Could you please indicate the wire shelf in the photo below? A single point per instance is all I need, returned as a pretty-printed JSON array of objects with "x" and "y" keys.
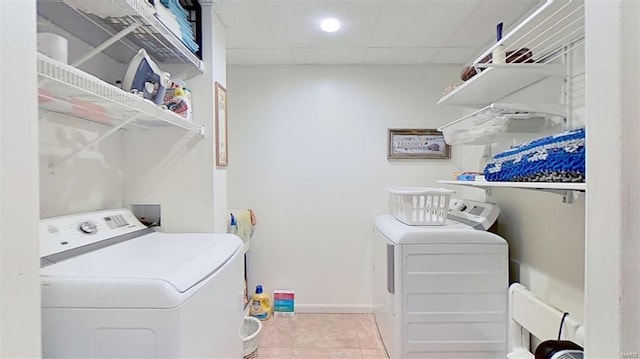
[
  {"x": 566, "y": 190},
  {"x": 501, "y": 121},
  {"x": 499, "y": 81},
  {"x": 527, "y": 185},
  {"x": 545, "y": 35},
  {"x": 66, "y": 90},
  {"x": 115, "y": 16},
  {"x": 551, "y": 27}
]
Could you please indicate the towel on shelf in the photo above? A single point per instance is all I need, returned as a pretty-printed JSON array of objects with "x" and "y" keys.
[
  {"x": 168, "y": 19},
  {"x": 182, "y": 18},
  {"x": 556, "y": 158},
  {"x": 241, "y": 223}
]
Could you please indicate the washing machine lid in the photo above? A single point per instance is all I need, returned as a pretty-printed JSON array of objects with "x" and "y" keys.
[
  {"x": 451, "y": 232},
  {"x": 156, "y": 270}
]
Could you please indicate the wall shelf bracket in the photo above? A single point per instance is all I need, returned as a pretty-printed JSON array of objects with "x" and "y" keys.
[
  {"x": 567, "y": 195},
  {"x": 112, "y": 40},
  {"x": 566, "y": 190},
  {"x": 112, "y": 130}
]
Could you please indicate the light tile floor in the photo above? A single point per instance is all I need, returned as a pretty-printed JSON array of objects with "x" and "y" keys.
[{"x": 321, "y": 336}]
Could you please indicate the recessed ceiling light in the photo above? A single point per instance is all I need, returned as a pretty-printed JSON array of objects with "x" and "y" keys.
[{"x": 330, "y": 25}]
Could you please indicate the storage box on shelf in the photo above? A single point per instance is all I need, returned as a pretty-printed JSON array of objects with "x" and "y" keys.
[{"x": 133, "y": 20}]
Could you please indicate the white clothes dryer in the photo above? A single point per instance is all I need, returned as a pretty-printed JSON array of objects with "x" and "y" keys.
[
  {"x": 113, "y": 288},
  {"x": 441, "y": 291}
]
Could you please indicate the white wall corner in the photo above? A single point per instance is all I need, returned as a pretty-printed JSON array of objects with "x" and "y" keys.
[
  {"x": 613, "y": 198},
  {"x": 315, "y": 169},
  {"x": 19, "y": 253},
  {"x": 219, "y": 71},
  {"x": 179, "y": 171}
]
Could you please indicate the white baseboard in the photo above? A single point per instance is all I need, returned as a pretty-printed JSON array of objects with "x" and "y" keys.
[{"x": 334, "y": 308}]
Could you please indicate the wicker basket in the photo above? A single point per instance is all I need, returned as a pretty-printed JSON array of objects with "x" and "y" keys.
[{"x": 250, "y": 332}]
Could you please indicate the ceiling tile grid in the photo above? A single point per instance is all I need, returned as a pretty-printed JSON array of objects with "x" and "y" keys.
[
  {"x": 400, "y": 56},
  {"x": 273, "y": 56},
  {"x": 373, "y": 31},
  {"x": 312, "y": 56}
]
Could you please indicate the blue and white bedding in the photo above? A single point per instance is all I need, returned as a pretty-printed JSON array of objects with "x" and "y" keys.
[{"x": 557, "y": 158}]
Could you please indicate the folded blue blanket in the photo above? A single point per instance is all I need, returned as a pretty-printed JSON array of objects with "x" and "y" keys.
[
  {"x": 557, "y": 158},
  {"x": 188, "y": 38}
]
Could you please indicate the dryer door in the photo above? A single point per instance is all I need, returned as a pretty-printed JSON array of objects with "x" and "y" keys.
[
  {"x": 384, "y": 278},
  {"x": 386, "y": 288}
]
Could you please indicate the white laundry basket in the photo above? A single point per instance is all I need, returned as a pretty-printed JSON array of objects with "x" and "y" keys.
[
  {"x": 419, "y": 206},
  {"x": 250, "y": 332}
]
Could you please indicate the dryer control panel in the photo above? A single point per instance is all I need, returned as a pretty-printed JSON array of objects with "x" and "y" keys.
[
  {"x": 479, "y": 215},
  {"x": 59, "y": 234}
]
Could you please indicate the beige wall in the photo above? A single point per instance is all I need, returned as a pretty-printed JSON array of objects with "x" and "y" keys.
[{"x": 308, "y": 152}]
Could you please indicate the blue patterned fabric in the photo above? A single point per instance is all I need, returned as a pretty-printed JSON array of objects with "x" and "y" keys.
[
  {"x": 557, "y": 158},
  {"x": 182, "y": 17}
]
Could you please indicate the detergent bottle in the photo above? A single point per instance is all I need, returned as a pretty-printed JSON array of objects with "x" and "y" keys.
[{"x": 261, "y": 304}]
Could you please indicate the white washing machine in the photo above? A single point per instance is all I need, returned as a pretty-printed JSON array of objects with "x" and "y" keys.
[
  {"x": 113, "y": 288},
  {"x": 441, "y": 291}
]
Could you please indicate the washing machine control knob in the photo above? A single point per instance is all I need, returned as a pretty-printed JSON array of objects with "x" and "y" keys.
[
  {"x": 461, "y": 207},
  {"x": 88, "y": 227}
]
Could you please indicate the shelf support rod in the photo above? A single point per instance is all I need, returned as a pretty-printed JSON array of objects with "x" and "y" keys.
[
  {"x": 568, "y": 197},
  {"x": 54, "y": 165},
  {"x": 567, "y": 90},
  {"x": 98, "y": 49},
  {"x": 567, "y": 194}
]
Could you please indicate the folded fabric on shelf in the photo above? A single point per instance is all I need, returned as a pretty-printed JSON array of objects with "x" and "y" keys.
[
  {"x": 556, "y": 158},
  {"x": 181, "y": 16},
  {"x": 168, "y": 19}
]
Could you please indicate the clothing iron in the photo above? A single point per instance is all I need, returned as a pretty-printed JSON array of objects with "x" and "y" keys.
[{"x": 145, "y": 77}]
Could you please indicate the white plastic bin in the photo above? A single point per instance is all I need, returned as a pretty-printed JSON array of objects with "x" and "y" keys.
[
  {"x": 419, "y": 206},
  {"x": 250, "y": 332}
]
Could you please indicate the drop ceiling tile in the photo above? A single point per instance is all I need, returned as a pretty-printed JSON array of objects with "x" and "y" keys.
[
  {"x": 329, "y": 56},
  {"x": 455, "y": 55},
  {"x": 480, "y": 29},
  {"x": 396, "y": 31},
  {"x": 419, "y": 23},
  {"x": 254, "y": 24},
  {"x": 357, "y": 22},
  {"x": 400, "y": 56},
  {"x": 259, "y": 56}
]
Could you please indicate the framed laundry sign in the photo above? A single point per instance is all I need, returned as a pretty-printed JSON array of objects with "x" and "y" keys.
[
  {"x": 417, "y": 143},
  {"x": 222, "y": 154}
]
